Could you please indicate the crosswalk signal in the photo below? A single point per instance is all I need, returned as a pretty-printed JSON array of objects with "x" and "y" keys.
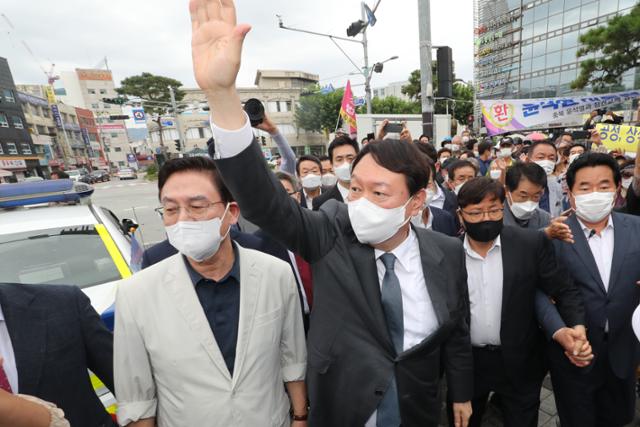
[{"x": 355, "y": 28}]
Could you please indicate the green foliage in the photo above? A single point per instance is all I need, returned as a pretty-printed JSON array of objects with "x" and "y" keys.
[
  {"x": 152, "y": 170},
  {"x": 318, "y": 112},
  {"x": 391, "y": 105},
  {"x": 618, "y": 42},
  {"x": 412, "y": 90},
  {"x": 152, "y": 88}
]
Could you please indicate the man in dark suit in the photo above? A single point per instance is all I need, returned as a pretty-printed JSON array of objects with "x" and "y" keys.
[
  {"x": 342, "y": 151},
  {"x": 603, "y": 263},
  {"x": 51, "y": 336},
  {"x": 382, "y": 331},
  {"x": 505, "y": 268},
  {"x": 309, "y": 170}
]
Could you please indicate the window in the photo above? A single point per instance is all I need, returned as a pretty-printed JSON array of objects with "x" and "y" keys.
[
  {"x": 541, "y": 11},
  {"x": 287, "y": 129},
  {"x": 117, "y": 149},
  {"x": 555, "y": 6},
  {"x": 46, "y": 112},
  {"x": 570, "y": 4},
  {"x": 570, "y": 40},
  {"x": 4, "y": 123},
  {"x": 537, "y": 64},
  {"x": 272, "y": 106},
  {"x": 25, "y": 148},
  {"x": 195, "y": 133},
  {"x": 41, "y": 129},
  {"x": 540, "y": 27},
  {"x": 626, "y": 3},
  {"x": 571, "y": 17},
  {"x": 17, "y": 122},
  {"x": 103, "y": 91},
  {"x": 527, "y": 17},
  {"x": 526, "y": 51},
  {"x": 121, "y": 164},
  {"x": 566, "y": 77},
  {"x": 525, "y": 66},
  {"x": 92, "y": 91},
  {"x": 554, "y": 44},
  {"x": 26, "y": 108},
  {"x": 589, "y": 11},
  {"x": 555, "y": 23},
  {"x": 553, "y": 59},
  {"x": 11, "y": 148},
  {"x": 527, "y": 32},
  {"x": 107, "y": 149},
  {"x": 114, "y": 135},
  {"x": 607, "y": 7},
  {"x": 8, "y": 95},
  {"x": 95, "y": 106}
]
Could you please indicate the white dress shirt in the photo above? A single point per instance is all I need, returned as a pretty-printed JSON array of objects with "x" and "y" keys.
[
  {"x": 418, "y": 220},
  {"x": 601, "y": 246},
  {"x": 485, "y": 282},
  {"x": 6, "y": 352},
  {"x": 418, "y": 314},
  {"x": 294, "y": 263},
  {"x": 344, "y": 192},
  {"x": 438, "y": 199}
]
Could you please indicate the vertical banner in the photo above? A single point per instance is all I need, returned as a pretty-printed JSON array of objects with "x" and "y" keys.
[
  {"x": 56, "y": 115},
  {"x": 51, "y": 95},
  {"x": 348, "y": 110}
]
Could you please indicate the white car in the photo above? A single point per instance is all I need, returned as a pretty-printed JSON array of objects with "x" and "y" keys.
[
  {"x": 80, "y": 245},
  {"x": 127, "y": 173},
  {"x": 74, "y": 175}
]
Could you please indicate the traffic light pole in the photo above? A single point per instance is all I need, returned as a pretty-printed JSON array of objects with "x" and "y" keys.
[
  {"x": 174, "y": 106},
  {"x": 426, "y": 81},
  {"x": 367, "y": 73}
]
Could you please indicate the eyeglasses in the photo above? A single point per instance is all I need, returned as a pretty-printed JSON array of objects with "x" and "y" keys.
[
  {"x": 196, "y": 211},
  {"x": 493, "y": 214}
]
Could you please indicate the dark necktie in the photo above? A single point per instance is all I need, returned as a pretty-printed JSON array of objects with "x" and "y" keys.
[
  {"x": 4, "y": 381},
  {"x": 391, "y": 297}
]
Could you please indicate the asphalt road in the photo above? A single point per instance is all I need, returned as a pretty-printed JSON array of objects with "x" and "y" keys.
[{"x": 134, "y": 199}]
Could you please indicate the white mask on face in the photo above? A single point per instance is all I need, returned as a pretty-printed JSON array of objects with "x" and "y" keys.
[
  {"x": 465, "y": 139},
  {"x": 198, "y": 240},
  {"x": 626, "y": 183},
  {"x": 455, "y": 147},
  {"x": 476, "y": 154},
  {"x": 548, "y": 165},
  {"x": 495, "y": 173},
  {"x": 505, "y": 152},
  {"x": 448, "y": 146},
  {"x": 573, "y": 157},
  {"x": 457, "y": 188},
  {"x": 430, "y": 195},
  {"x": 311, "y": 181},
  {"x": 373, "y": 224},
  {"x": 442, "y": 159},
  {"x": 522, "y": 210},
  {"x": 343, "y": 172},
  {"x": 593, "y": 207},
  {"x": 329, "y": 180}
]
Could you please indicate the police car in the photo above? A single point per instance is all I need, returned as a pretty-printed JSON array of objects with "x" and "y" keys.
[{"x": 50, "y": 233}]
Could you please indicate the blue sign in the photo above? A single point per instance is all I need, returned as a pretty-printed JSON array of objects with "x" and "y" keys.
[
  {"x": 131, "y": 158},
  {"x": 167, "y": 123},
  {"x": 56, "y": 115},
  {"x": 359, "y": 102},
  {"x": 138, "y": 116},
  {"x": 87, "y": 142}
]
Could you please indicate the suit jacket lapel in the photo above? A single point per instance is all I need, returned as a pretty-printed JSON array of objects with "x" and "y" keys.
[
  {"x": 431, "y": 257},
  {"x": 250, "y": 277},
  {"x": 582, "y": 249},
  {"x": 28, "y": 331},
  {"x": 178, "y": 283},
  {"x": 509, "y": 262},
  {"x": 337, "y": 194},
  {"x": 364, "y": 264},
  {"x": 621, "y": 236}
]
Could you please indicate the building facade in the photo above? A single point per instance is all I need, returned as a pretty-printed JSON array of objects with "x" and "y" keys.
[
  {"x": 279, "y": 91},
  {"x": 86, "y": 88},
  {"x": 18, "y": 155},
  {"x": 42, "y": 128},
  {"x": 392, "y": 89},
  {"x": 528, "y": 48}
]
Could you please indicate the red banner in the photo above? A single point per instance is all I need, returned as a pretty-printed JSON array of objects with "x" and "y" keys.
[{"x": 348, "y": 109}]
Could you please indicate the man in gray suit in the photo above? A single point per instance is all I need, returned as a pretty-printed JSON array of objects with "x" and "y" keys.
[
  {"x": 390, "y": 301},
  {"x": 603, "y": 263}
]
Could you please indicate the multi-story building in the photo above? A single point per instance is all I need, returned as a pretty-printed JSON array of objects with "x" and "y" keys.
[
  {"x": 392, "y": 89},
  {"x": 18, "y": 155},
  {"x": 280, "y": 93},
  {"x": 42, "y": 128},
  {"x": 527, "y": 48},
  {"x": 91, "y": 138},
  {"x": 86, "y": 88}
]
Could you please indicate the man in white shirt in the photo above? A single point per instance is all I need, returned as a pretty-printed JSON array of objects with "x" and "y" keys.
[
  {"x": 506, "y": 266},
  {"x": 603, "y": 263},
  {"x": 342, "y": 151}
]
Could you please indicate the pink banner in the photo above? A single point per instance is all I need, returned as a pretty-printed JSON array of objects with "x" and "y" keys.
[{"x": 348, "y": 109}]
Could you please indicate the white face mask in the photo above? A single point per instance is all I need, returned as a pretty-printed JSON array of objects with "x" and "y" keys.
[
  {"x": 329, "y": 180},
  {"x": 373, "y": 224},
  {"x": 593, "y": 207},
  {"x": 505, "y": 152},
  {"x": 442, "y": 159},
  {"x": 495, "y": 173},
  {"x": 465, "y": 139},
  {"x": 455, "y": 147},
  {"x": 311, "y": 181},
  {"x": 548, "y": 165},
  {"x": 430, "y": 196},
  {"x": 343, "y": 172},
  {"x": 198, "y": 240},
  {"x": 448, "y": 146},
  {"x": 626, "y": 183},
  {"x": 573, "y": 157},
  {"x": 523, "y": 210},
  {"x": 457, "y": 188},
  {"x": 476, "y": 154}
]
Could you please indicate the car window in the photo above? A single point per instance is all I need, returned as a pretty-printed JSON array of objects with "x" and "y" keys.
[
  {"x": 73, "y": 172},
  {"x": 61, "y": 256}
]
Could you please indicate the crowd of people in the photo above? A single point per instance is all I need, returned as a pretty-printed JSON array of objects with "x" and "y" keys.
[{"x": 366, "y": 288}]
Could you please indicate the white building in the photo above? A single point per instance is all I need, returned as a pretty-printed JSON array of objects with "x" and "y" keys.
[{"x": 392, "y": 89}]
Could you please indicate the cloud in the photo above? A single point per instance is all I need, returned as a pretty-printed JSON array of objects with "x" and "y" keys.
[{"x": 154, "y": 36}]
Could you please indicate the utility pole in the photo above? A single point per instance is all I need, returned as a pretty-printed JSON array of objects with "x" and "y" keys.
[
  {"x": 424, "y": 19},
  {"x": 174, "y": 106},
  {"x": 368, "y": 74}
]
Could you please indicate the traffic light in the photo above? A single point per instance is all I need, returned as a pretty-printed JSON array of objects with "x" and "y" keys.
[
  {"x": 118, "y": 101},
  {"x": 263, "y": 140},
  {"x": 356, "y": 28},
  {"x": 445, "y": 72},
  {"x": 178, "y": 147}
]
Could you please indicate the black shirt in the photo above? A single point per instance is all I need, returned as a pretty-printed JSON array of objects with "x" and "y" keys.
[{"x": 221, "y": 304}]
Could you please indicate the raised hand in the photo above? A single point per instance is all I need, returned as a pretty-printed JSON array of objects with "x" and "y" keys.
[
  {"x": 557, "y": 229},
  {"x": 216, "y": 43}
]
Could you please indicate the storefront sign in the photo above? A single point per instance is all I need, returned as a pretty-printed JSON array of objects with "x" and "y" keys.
[{"x": 13, "y": 164}]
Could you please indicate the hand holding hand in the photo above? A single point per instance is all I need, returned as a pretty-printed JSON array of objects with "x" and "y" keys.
[
  {"x": 559, "y": 230},
  {"x": 576, "y": 346},
  {"x": 461, "y": 414}
]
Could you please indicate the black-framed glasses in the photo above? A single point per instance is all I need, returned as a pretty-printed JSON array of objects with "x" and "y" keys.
[{"x": 493, "y": 214}]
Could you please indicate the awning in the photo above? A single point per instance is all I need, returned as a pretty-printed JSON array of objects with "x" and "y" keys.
[{"x": 4, "y": 173}]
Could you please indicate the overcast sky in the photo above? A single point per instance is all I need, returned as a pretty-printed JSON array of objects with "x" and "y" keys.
[{"x": 154, "y": 36}]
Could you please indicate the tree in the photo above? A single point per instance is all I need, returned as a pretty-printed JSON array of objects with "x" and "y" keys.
[
  {"x": 156, "y": 89},
  {"x": 618, "y": 42},
  {"x": 462, "y": 94},
  {"x": 319, "y": 112},
  {"x": 392, "y": 105}
]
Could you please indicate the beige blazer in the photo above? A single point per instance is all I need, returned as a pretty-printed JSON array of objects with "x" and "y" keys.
[{"x": 167, "y": 363}]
